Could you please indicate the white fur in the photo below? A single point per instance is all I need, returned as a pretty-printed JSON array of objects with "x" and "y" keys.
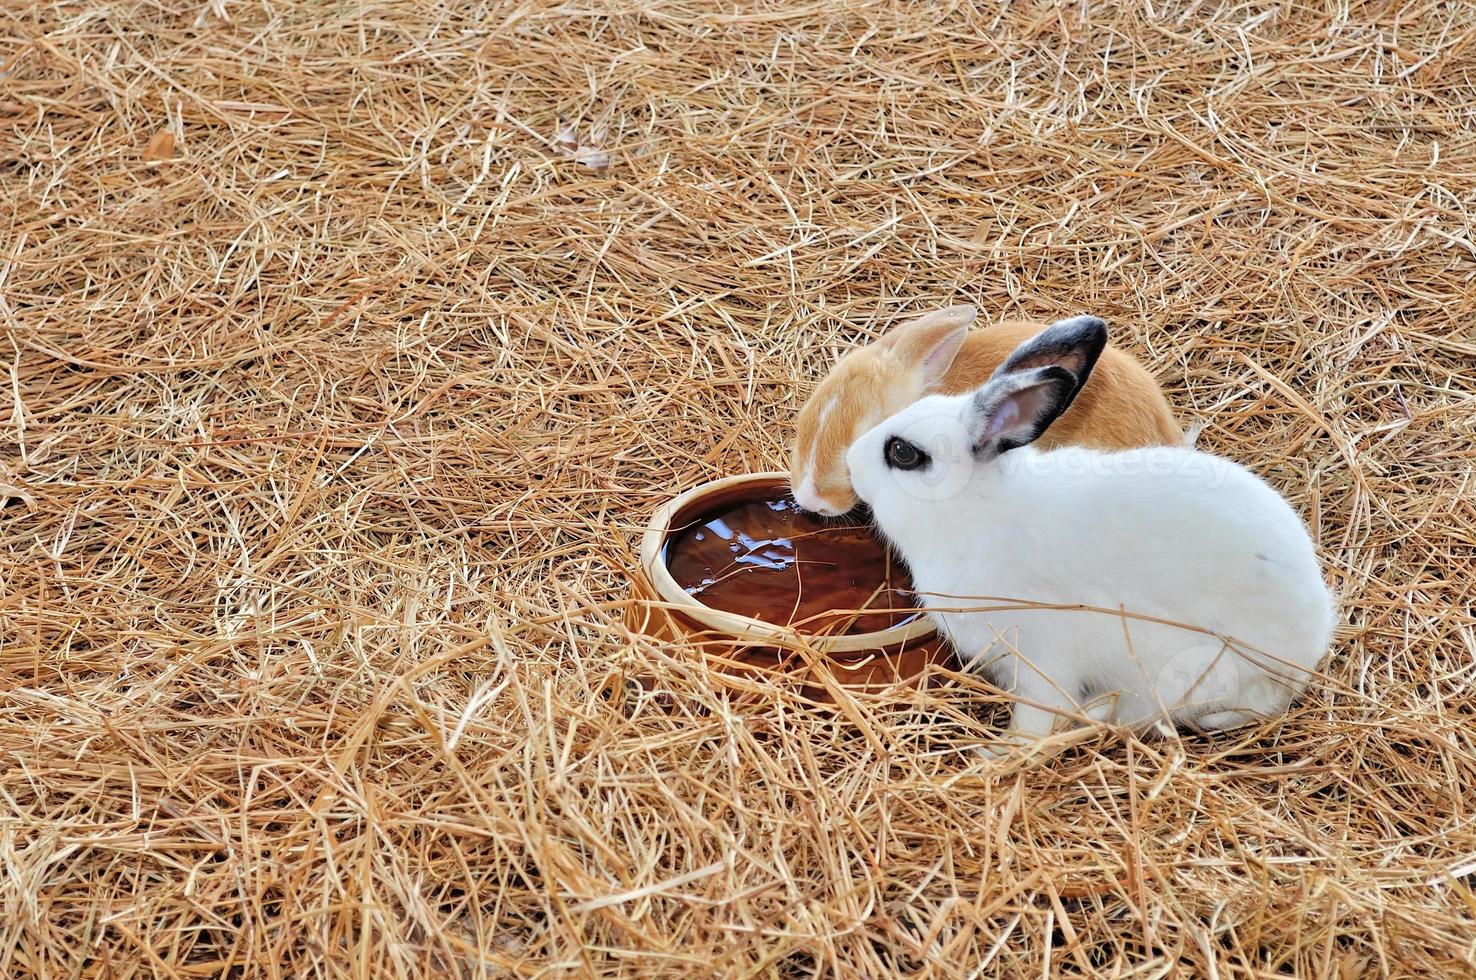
[{"x": 1164, "y": 532}]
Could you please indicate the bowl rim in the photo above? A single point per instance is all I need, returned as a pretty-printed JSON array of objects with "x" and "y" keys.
[{"x": 746, "y": 627}]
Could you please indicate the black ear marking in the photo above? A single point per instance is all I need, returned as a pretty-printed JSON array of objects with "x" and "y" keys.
[
  {"x": 1015, "y": 410},
  {"x": 1073, "y": 344}
]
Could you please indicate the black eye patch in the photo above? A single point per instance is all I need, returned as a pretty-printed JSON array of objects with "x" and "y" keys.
[{"x": 903, "y": 455}]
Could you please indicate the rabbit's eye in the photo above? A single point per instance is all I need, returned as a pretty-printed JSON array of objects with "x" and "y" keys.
[{"x": 903, "y": 455}]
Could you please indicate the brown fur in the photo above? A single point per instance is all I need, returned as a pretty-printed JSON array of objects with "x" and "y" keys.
[{"x": 1120, "y": 406}]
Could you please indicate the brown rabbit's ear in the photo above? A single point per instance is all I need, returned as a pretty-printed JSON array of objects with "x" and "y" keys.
[
  {"x": 931, "y": 342},
  {"x": 1073, "y": 344},
  {"x": 1015, "y": 409}
]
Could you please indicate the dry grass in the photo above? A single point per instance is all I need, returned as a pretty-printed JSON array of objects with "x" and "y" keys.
[{"x": 327, "y": 426}]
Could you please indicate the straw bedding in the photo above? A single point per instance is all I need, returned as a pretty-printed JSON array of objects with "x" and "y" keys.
[{"x": 348, "y": 346}]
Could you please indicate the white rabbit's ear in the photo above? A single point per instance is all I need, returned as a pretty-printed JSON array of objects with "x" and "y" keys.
[
  {"x": 931, "y": 342},
  {"x": 1073, "y": 344},
  {"x": 1013, "y": 410}
]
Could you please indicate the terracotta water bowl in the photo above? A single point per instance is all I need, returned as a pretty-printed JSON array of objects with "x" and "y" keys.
[{"x": 749, "y": 651}]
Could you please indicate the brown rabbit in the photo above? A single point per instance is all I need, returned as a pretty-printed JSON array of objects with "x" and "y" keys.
[{"x": 1120, "y": 406}]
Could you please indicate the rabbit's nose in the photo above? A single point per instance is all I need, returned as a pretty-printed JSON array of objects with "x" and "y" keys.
[{"x": 810, "y": 501}]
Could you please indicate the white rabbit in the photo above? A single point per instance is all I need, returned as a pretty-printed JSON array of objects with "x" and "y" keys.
[{"x": 1178, "y": 587}]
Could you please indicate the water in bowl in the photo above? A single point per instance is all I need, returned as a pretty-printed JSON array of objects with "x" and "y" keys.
[{"x": 769, "y": 560}]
